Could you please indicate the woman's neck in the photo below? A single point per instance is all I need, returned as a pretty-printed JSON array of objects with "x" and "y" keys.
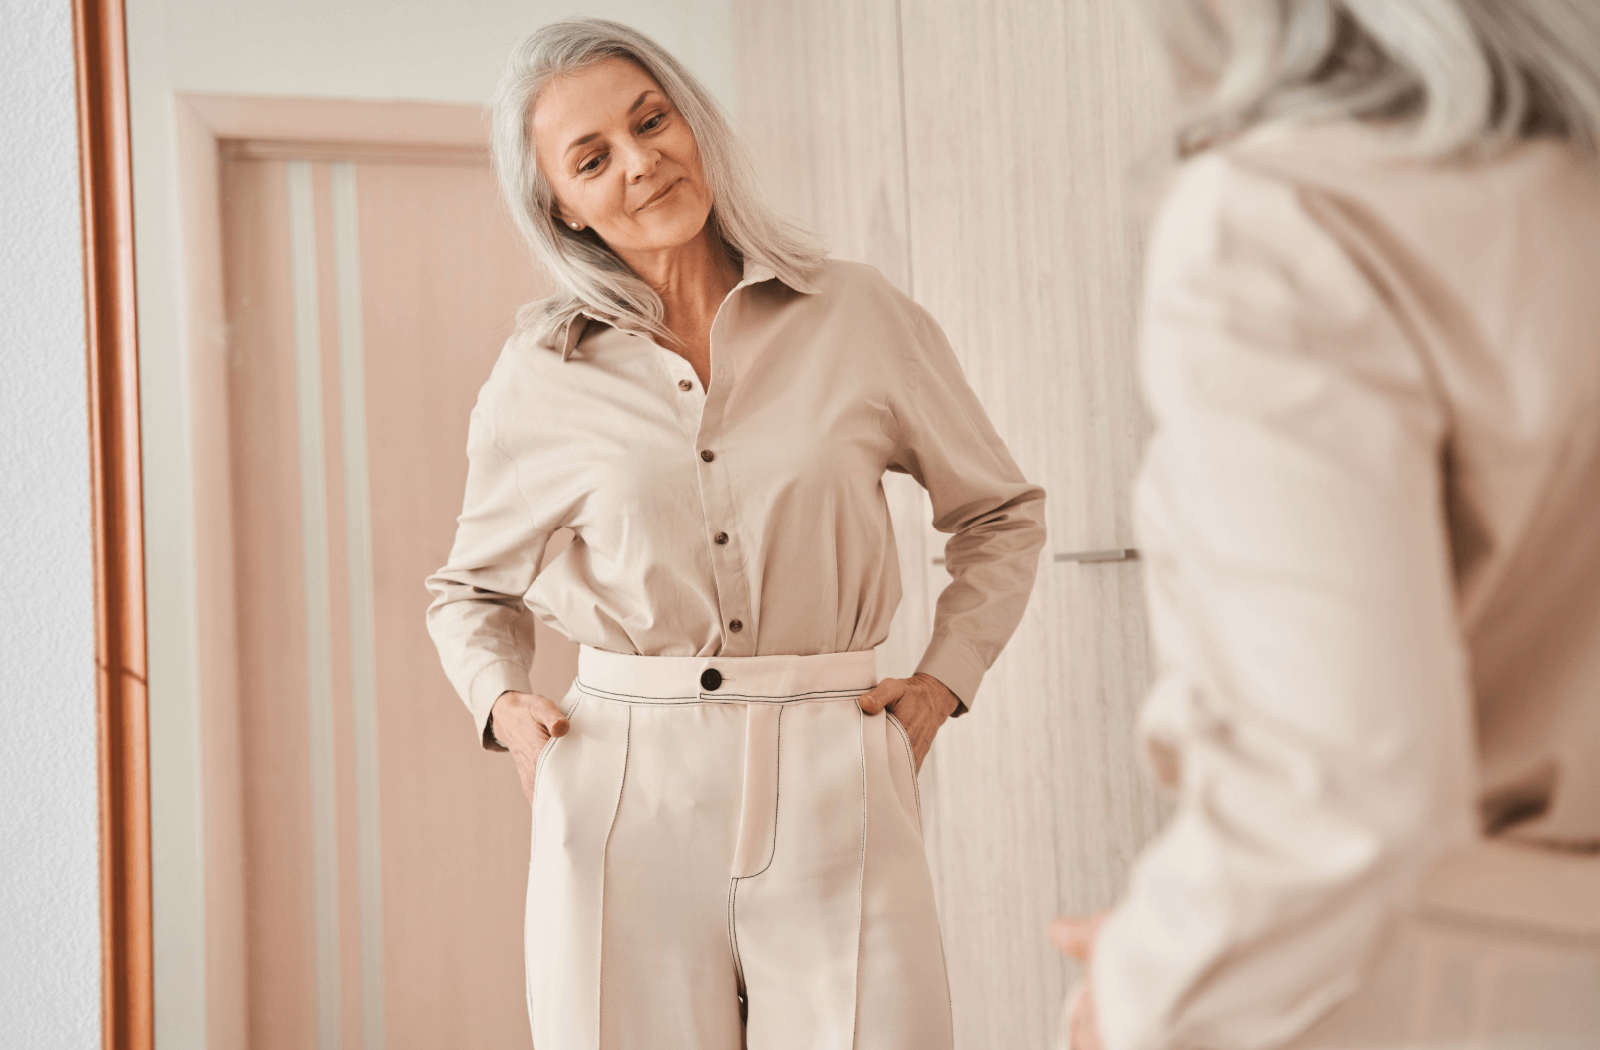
[{"x": 692, "y": 281}]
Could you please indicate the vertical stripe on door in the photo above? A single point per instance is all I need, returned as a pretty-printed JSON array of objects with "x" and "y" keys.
[
  {"x": 319, "y": 612},
  {"x": 363, "y": 626}
]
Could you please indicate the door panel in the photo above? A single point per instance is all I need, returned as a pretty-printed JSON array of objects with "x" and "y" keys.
[{"x": 385, "y": 850}]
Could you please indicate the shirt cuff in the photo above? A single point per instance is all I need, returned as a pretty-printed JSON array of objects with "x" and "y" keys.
[
  {"x": 958, "y": 669},
  {"x": 487, "y": 685}
]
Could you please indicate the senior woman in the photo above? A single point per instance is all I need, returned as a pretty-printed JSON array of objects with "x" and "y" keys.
[
  {"x": 1371, "y": 508},
  {"x": 727, "y": 847}
]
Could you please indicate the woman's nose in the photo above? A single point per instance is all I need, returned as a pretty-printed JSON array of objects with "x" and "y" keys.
[{"x": 641, "y": 163}]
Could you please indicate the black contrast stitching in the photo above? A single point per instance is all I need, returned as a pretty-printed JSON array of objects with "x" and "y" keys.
[
  {"x": 538, "y": 776},
  {"x": 911, "y": 757},
  {"x": 605, "y": 694},
  {"x": 777, "y": 797},
  {"x": 861, "y": 873},
  {"x": 821, "y": 694},
  {"x": 599, "y": 1009},
  {"x": 733, "y": 936},
  {"x": 722, "y": 698}
]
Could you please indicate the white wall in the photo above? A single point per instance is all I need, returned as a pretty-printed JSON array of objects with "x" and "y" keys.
[
  {"x": 422, "y": 50},
  {"x": 49, "y": 883}
]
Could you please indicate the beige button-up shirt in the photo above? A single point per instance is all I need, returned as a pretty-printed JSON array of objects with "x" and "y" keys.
[
  {"x": 1371, "y": 517},
  {"x": 744, "y": 520}
]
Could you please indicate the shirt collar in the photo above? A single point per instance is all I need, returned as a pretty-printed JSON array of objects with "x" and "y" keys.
[{"x": 567, "y": 338}]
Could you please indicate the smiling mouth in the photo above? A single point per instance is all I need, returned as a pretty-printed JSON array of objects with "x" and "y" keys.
[{"x": 662, "y": 192}]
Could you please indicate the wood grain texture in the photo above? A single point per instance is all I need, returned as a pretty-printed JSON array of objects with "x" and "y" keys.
[
  {"x": 1025, "y": 122},
  {"x": 127, "y": 977},
  {"x": 819, "y": 98}
]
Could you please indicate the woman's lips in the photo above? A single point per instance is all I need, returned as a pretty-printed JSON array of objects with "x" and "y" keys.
[{"x": 661, "y": 193}]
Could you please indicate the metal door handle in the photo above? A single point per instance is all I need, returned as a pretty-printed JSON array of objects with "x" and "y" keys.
[
  {"x": 1089, "y": 557},
  {"x": 1114, "y": 554}
]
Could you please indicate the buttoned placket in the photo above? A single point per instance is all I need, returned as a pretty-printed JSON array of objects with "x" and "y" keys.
[{"x": 717, "y": 497}]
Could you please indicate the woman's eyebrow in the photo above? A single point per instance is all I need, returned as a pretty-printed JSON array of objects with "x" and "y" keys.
[
  {"x": 584, "y": 140},
  {"x": 575, "y": 143}
]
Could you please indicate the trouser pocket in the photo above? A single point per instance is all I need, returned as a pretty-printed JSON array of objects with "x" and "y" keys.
[{"x": 905, "y": 778}]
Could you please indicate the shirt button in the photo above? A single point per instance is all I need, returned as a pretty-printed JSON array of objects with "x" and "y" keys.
[
  {"x": 720, "y": 538},
  {"x": 685, "y": 385},
  {"x": 736, "y": 625},
  {"x": 707, "y": 455}
]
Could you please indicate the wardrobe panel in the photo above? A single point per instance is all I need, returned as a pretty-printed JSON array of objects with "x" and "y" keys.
[
  {"x": 819, "y": 107},
  {"x": 1026, "y": 125}
]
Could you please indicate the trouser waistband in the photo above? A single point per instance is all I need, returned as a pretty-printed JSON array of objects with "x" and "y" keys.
[{"x": 725, "y": 679}]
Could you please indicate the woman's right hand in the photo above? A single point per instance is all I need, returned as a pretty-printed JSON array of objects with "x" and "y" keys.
[{"x": 523, "y": 724}]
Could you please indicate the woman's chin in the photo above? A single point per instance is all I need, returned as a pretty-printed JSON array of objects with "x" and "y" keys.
[{"x": 670, "y": 230}]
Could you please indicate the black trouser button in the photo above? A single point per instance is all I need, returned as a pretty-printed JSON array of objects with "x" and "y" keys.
[{"x": 711, "y": 679}]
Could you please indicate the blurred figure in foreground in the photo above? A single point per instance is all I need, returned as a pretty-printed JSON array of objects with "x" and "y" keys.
[{"x": 1371, "y": 510}]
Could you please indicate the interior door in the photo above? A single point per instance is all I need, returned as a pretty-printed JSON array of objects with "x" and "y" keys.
[{"x": 368, "y": 293}]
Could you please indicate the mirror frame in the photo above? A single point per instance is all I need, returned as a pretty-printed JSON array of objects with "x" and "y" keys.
[{"x": 127, "y": 989}]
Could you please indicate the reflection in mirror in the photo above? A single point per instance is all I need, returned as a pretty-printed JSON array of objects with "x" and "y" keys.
[{"x": 326, "y": 276}]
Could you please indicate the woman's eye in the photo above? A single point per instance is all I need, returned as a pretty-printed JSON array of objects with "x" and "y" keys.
[
  {"x": 592, "y": 165},
  {"x": 653, "y": 123}
]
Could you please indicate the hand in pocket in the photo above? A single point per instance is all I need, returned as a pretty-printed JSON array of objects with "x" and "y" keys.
[
  {"x": 523, "y": 724},
  {"x": 921, "y": 703}
]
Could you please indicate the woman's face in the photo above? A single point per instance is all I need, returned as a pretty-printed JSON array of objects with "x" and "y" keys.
[{"x": 620, "y": 158}]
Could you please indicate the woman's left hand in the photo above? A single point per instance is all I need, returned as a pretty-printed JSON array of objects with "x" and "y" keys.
[{"x": 920, "y": 702}]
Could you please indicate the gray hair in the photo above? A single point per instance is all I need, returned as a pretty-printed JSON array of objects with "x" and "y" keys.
[
  {"x": 593, "y": 279},
  {"x": 1457, "y": 77}
]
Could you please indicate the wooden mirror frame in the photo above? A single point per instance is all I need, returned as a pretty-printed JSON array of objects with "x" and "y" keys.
[{"x": 127, "y": 988}]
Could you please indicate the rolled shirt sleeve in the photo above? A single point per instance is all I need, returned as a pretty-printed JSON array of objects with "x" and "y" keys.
[
  {"x": 979, "y": 496},
  {"x": 1312, "y": 706},
  {"x": 478, "y": 619}
]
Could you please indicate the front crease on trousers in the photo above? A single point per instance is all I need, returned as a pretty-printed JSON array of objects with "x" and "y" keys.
[{"x": 689, "y": 855}]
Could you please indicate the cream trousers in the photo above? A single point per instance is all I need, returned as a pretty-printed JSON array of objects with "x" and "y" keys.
[{"x": 728, "y": 853}]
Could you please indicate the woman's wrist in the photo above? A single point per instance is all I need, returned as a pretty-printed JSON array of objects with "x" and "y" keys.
[{"x": 952, "y": 701}]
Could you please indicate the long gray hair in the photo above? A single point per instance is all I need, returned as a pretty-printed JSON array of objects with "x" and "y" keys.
[
  {"x": 1457, "y": 77},
  {"x": 593, "y": 279}
]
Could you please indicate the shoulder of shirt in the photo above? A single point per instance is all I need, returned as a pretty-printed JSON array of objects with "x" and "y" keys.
[
  {"x": 522, "y": 358},
  {"x": 861, "y": 286},
  {"x": 1367, "y": 166},
  {"x": 1256, "y": 190}
]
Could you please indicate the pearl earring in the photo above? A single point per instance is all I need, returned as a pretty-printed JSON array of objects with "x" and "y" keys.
[{"x": 575, "y": 226}]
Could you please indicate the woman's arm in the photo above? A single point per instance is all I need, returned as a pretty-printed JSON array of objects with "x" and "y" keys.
[
  {"x": 477, "y": 618},
  {"x": 1313, "y": 705},
  {"x": 995, "y": 516}
]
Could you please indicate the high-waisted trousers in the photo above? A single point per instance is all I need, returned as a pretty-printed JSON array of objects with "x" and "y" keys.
[{"x": 727, "y": 853}]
